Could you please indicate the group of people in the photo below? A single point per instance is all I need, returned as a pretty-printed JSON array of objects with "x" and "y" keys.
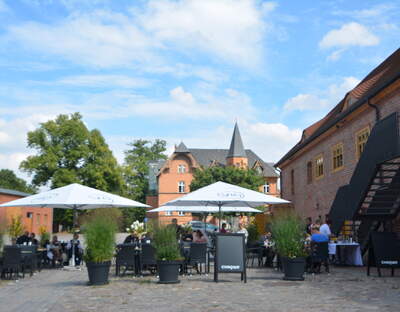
[
  {"x": 62, "y": 253},
  {"x": 319, "y": 231},
  {"x": 27, "y": 239}
]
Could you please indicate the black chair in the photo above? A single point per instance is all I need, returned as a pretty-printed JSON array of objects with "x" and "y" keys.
[
  {"x": 254, "y": 252},
  {"x": 148, "y": 259},
  {"x": 197, "y": 257},
  {"x": 125, "y": 257},
  {"x": 29, "y": 257},
  {"x": 319, "y": 255},
  {"x": 12, "y": 262}
]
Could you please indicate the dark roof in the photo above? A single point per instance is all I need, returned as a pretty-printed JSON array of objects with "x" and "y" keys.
[
  {"x": 381, "y": 77},
  {"x": 236, "y": 149},
  {"x": 206, "y": 157},
  {"x": 181, "y": 148},
  {"x": 13, "y": 192}
]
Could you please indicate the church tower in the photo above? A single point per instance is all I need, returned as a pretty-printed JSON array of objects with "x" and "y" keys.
[{"x": 237, "y": 155}]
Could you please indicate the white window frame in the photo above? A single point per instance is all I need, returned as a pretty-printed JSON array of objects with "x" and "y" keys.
[
  {"x": 266, "y": 187},
  {"x": 181, "y": 169},
  {"x": 168, "y": 213},
  {"x": 181, "y": 213},
  {"x": 181, "y": 187}
]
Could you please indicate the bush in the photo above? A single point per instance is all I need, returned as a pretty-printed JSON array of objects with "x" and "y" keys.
[
  {"x": 44, "y": 236},
  {"x": 100, "y": 239},
  {"x": 253, "y": 232},
  {"x": 165, "y": 243},
  {"x": 288, "y": 235},
  {"x": 16, "y": 227}
]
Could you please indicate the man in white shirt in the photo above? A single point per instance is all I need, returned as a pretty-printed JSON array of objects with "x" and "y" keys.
[
  {"x": 243, "y": 230},
  {"x": 324, "y": 228}
]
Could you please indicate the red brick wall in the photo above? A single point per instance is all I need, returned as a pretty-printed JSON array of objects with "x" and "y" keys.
[
  {"x": 312, "y": 200},
  {"x": 40, "y": 216}
]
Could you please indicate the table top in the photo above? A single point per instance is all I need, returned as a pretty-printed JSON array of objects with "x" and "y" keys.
[{"x": 345, "y": 244}]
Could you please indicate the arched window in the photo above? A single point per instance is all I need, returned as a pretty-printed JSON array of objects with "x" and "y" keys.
[{"x": 181, "y": 187}]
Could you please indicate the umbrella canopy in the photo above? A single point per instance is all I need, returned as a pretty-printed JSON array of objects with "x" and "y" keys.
[
  {"x": 221, "y": 194},
  {"x": 74, "y": 196},
  {"x": 204, "y": 209}
]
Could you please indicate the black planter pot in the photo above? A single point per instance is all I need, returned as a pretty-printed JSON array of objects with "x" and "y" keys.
[
  {"x": 168, "y": 271},
  {"x": 98, "y": 272},
  {"x": 293, "y": 268}
]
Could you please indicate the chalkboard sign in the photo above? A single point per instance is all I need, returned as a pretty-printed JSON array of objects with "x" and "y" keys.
[
  {"x": 384, "y": 251},
  {"x": 230, "y": 255}
]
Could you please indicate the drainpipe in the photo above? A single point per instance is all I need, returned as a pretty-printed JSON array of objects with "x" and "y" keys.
[{"x": 377, "y": 111}]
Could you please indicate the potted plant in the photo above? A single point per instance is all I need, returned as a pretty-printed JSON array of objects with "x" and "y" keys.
[
  {"x": 167, "y": 253},
  {"x": 289, "y": 238},
  {"x": 44, "y": 236},
  {"x": 100, "y": 246},
  {"x": 138, "y": 229}
]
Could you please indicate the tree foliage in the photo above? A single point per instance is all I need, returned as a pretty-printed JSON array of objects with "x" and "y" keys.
[
  {"x": 136, "y": 171},
  {"x": 68, "y": 152},
  {"x": 9, "y": 180},
  {"x": 247, "y": 178}
]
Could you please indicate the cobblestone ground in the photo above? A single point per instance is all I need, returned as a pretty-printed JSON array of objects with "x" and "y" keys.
[{"x": 344, "y": 289}]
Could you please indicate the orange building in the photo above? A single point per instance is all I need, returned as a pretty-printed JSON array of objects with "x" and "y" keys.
[
  {"x": 32, "y": 217},
  {"x": 171, "y": 179}
]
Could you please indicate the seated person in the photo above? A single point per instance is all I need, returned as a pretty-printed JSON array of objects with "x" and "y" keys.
[
  {"x": 316, "y": 236},
  {"x": 78, "y": 249},
  {"x": 199, "y": 237},
  {"x": 23, "y": 239},
  {"x": 131, "y": 239},
  {"x": 223, "y": 228},
  {"x": 54, "y": 250},
  {"x": 33, "y": 240}
]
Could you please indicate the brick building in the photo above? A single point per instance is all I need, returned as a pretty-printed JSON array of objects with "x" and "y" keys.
[
  {"x": 32, "y": 217},
  {"x": 171, "y": 179},
  {"x": 328, "y": 154}
]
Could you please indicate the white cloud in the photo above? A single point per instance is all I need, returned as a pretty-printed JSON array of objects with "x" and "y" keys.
[
  {"x": 101, "y": 81},
  {"x": 321, "y": 99},
  {"x": 229, "y": 30},
  {"x": 351, "y": 34}
]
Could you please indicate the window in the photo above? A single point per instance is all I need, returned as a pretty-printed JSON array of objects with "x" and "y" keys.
[
  {"x": 319, "y": 167},
  {"x": 361, "y": 140},
  {"x": 181, "y": 213},
  {"x": 29, "y": 215},
  {"x": 292, "y": 181},
  {"x": 168, "y": 213},
  {"x": 45, "y": 219},
  {"x": 266, "y": 187},
  {"x": 38, "y": 219},
  {"x": 337, "y": 157},
  {"x": 181, "y": 169},
  {"x": 181, "y": 187},
  {"x": 309, "y": 172}
]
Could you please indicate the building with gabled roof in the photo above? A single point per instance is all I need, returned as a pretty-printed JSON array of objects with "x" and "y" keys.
[{"x": 171, "y": 178}]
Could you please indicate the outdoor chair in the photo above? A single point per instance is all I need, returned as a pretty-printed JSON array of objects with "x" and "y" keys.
[
  {"x": 253, "y": 253},
  {"x": 29, "y": 258},
  {"x": 125, "y": 257},
  {"x": 148, "y": 259},
  {"x": 12, "y": 262},
  {"x": 319, "y": 255},
  {"x": 197, "y": 257}
]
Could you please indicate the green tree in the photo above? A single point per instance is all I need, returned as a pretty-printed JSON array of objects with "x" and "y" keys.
[
  {"x": 247, "y": 178},
  {"x": 9, "y": 180},
  {"x": 67, "y": 152},
  {"x": 136, "y": 171}
]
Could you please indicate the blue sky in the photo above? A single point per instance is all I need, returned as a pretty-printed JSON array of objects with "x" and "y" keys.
[{"x": 185, "y": 70}]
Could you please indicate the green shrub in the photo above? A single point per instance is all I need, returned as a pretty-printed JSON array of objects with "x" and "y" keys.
[
  {"x": 44, "y": 236},
  {"x": 100, "y": 239},
  {"x": 288, "y": 235},
  {"x": 253, "y": 232},
  {"x": 16, "y": 228},
  {"x": 165, "y": 243}
]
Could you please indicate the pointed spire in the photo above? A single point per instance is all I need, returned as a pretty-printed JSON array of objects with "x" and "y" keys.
[
  {"x": 236, "y": 149},
  {"x": 181, "y": 148}
]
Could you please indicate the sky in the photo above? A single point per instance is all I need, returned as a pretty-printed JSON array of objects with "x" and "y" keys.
[{"x": 185, "y": 70}]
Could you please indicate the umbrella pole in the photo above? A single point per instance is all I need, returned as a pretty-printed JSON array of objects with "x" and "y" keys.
[
  {"x": 74, "y": 224},
  {"x": 220, "y": 216}
]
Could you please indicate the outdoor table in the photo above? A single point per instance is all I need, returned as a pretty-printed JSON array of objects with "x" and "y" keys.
[{"x": 346, "y": 253}]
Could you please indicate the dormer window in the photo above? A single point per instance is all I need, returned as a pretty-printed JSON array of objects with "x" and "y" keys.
[
  {"x": 181, "y": 169},
  {"x": 259, "y": 169}
]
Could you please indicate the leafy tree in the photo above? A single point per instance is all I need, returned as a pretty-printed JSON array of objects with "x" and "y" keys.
[
  {"x": 67, "y": 152},
  {"x": 9, "y": 180},
  {"x": 136, "y": 171},
  {"x": 247, "y": 178}
]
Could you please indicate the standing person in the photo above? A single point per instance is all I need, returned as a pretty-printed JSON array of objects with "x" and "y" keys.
[
  {"x": 78, "y": 249},
  {"x": 174, "y": 223},
  {"x": 325, "y": 228},
  {"x": 243, "y": 230}
]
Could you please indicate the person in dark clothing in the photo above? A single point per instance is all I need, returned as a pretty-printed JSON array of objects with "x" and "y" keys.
[
  {"x": 33, "y": 240},
  {"x": 308, "y": 225},
  {"x": 131, "y": 239},
  {"x": 223, "y": 228},
  {"x": 178, "y": 228},
  {"x": 23, "y": 238},
  {"x": 78, "y": 249}
]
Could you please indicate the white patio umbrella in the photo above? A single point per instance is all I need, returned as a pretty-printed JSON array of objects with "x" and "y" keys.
[
  {"x": 221, "y": 194},
  {"x": 204, "y": 209},
  {"x": 76, "y": 197}
]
